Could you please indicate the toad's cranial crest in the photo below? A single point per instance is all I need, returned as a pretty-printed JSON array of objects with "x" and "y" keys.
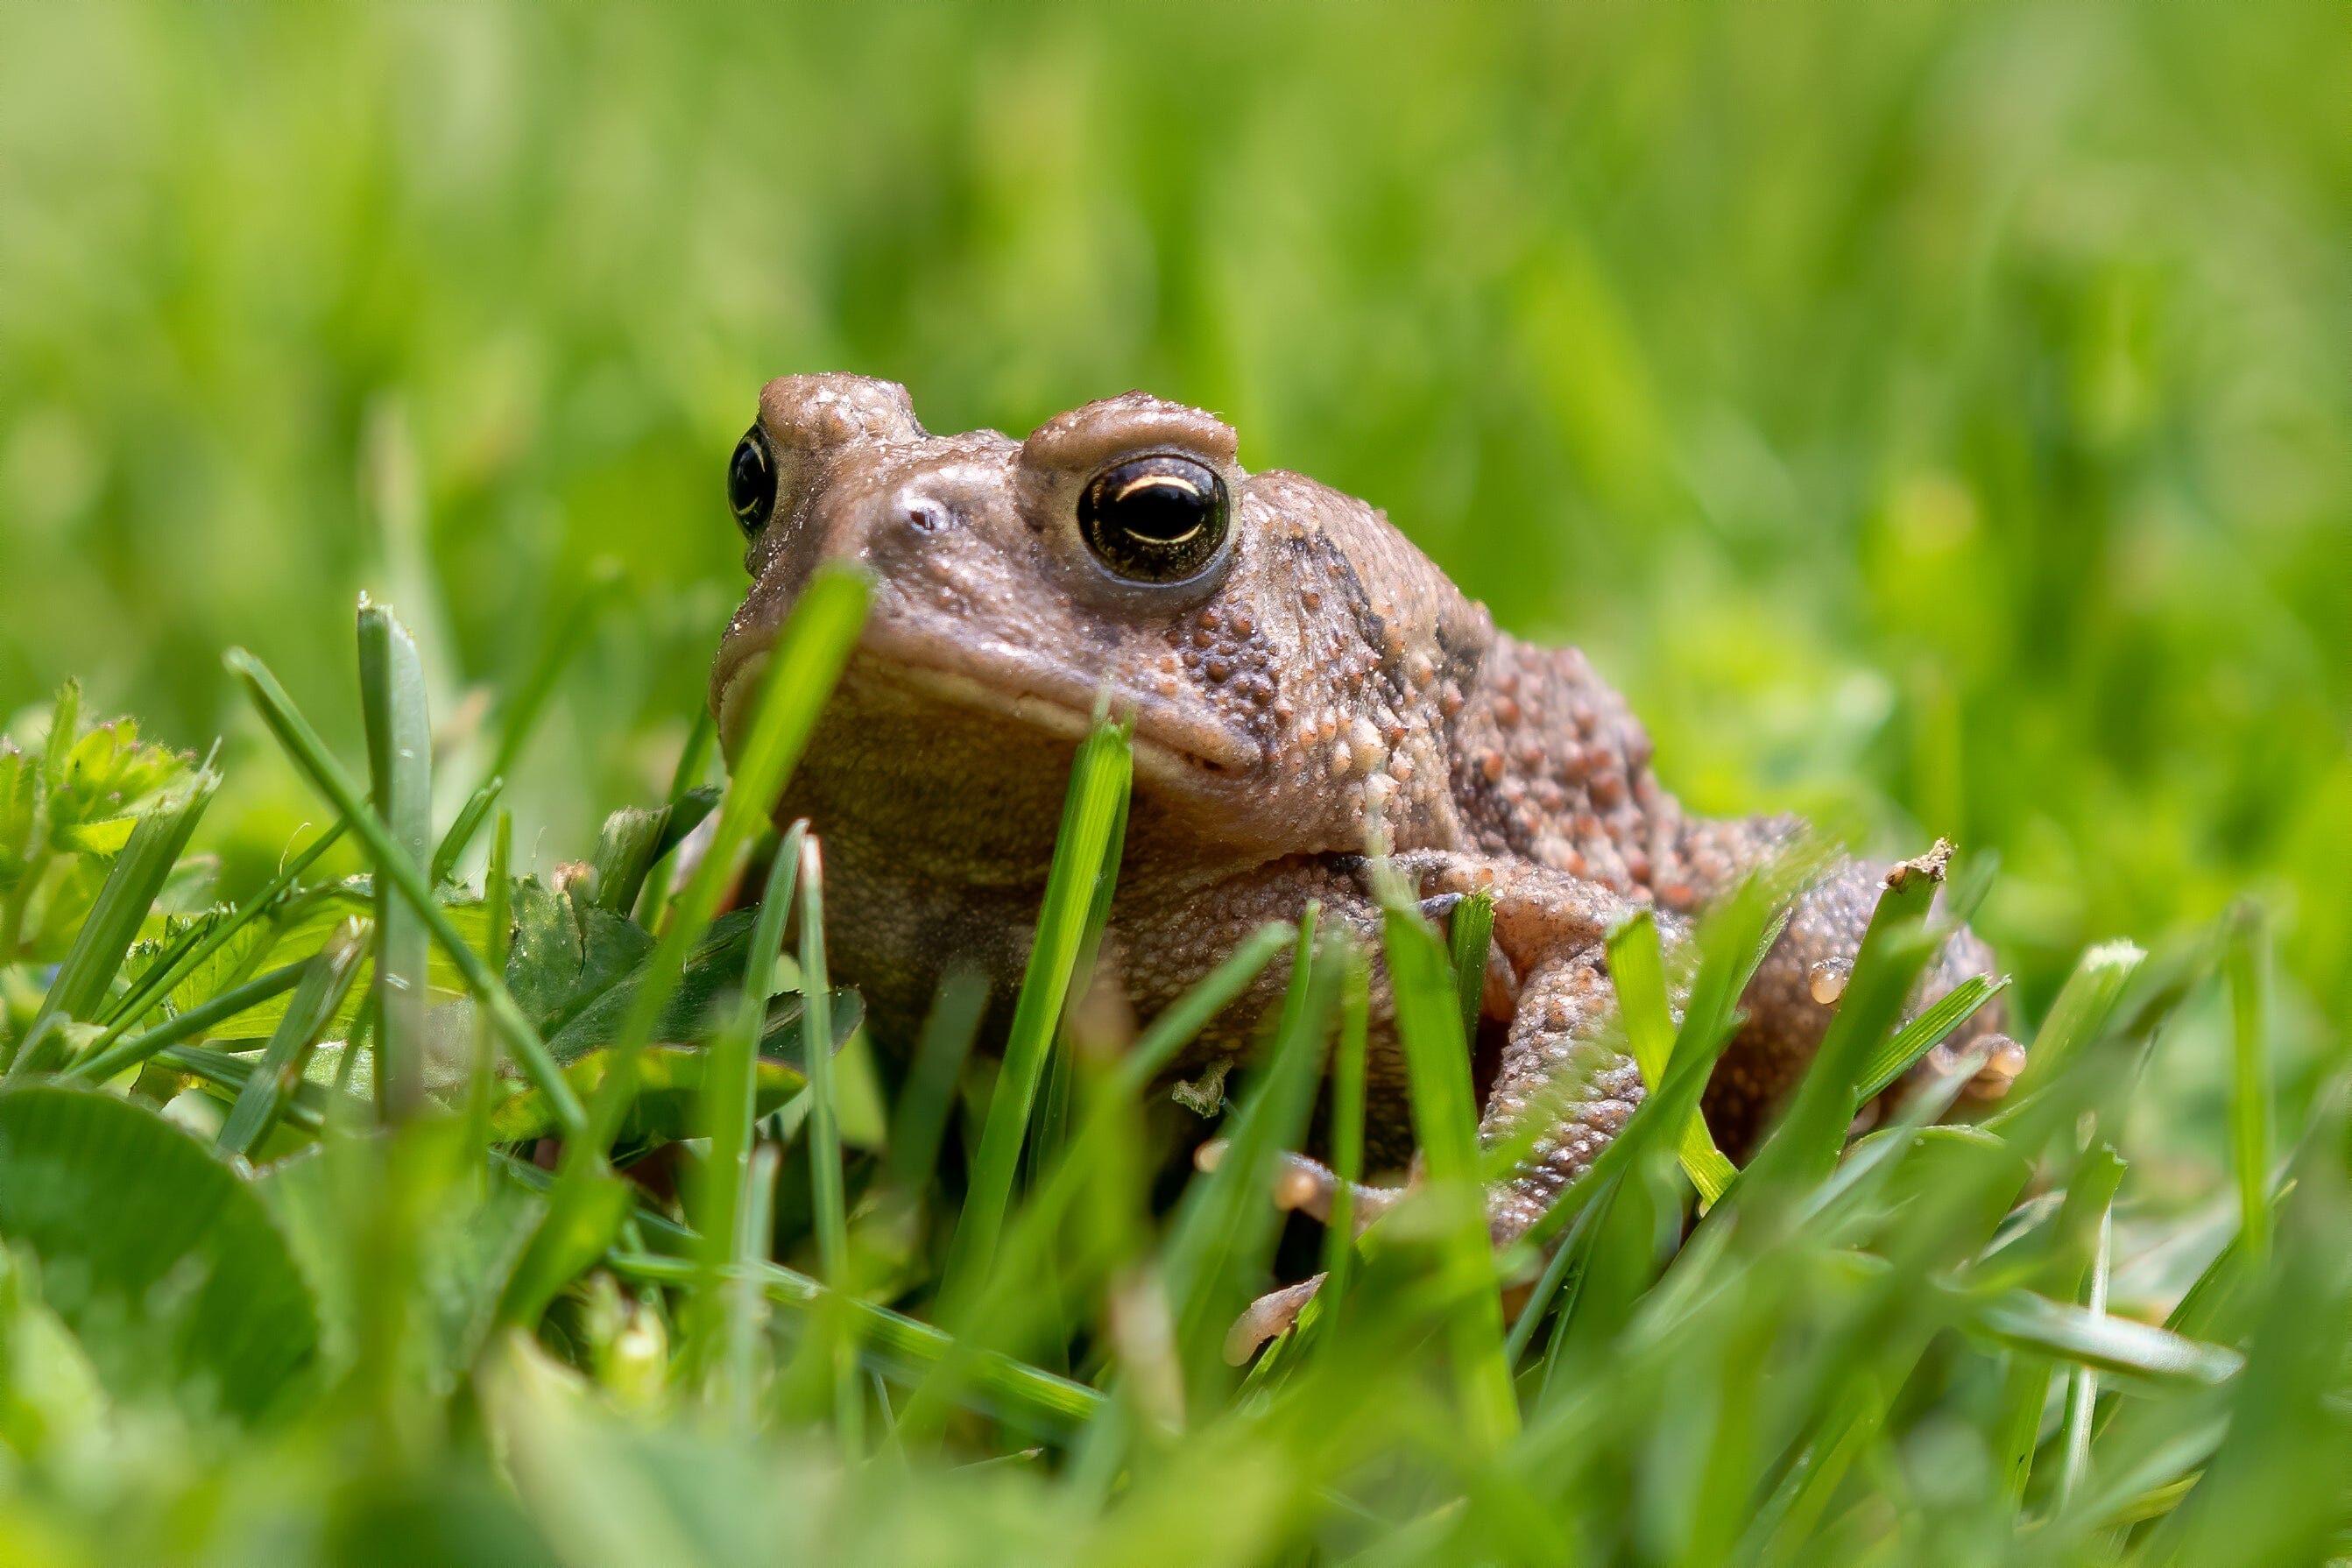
[{"x": 1297, "y": 672}]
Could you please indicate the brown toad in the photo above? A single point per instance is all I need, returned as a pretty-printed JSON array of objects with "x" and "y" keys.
[{"x": 1295, "y": 669}]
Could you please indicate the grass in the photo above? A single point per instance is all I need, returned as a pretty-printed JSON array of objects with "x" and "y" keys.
[{"x": 1902, "y": 1352}]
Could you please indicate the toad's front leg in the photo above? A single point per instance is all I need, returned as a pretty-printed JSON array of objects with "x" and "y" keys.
[{"x": 1564, "y": 1064}]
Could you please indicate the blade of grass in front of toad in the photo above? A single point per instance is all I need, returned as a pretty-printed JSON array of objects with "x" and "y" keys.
[
  {"x": 112, "y": 924},
  {"x": 1637, "y": 969},
  {"x": 1897, "y": 944},
  {"x": 1469, "y": 933},
  {"x": 1099, "y": 784},
  {"x": 1226, "y": 1224},
  {"x": 1900, "y": 1050},
  {"x": 310, "y": 757},
  {"x": 2074, "y": 1020},
  {"x": 1348, "y": 1085},
  {"x": 802, "y": 666},
  {"x": 399, "y": 767},
  {"x": 1444, "y": 1119},
  {"x": 1002, "y": 1295},
  {"x": 1732, "y": 942},
  {"x": 1049, "y": 1127},
  {"x": 804, "y": 663},
  {"x": 730, "y": 1097},
  {"x": 823, "y": 1133},
  {"x": 919, "y": 1121},
  {"x": 2081, "y": 1380},
  {"x": 327, "y": 976}
]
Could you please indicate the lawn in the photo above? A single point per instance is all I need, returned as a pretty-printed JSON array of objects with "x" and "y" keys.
[{"x": 1931, "y": 418}]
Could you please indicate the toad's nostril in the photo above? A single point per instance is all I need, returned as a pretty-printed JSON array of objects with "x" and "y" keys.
[{"x": 925, "y": 515}]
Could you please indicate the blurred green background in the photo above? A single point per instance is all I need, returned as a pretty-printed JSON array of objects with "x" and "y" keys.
[{"x": 1934, "y": 416}]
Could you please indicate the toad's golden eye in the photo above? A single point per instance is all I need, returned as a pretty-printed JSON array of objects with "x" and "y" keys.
[
  {"x": 751, "y": 482},
  {"x": 1155, "y": 520}
]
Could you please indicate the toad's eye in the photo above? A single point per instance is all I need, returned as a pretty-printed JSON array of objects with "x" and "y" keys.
[
  {"x": 1155, "y": 520},
  {"x": 751, "y": 482}
]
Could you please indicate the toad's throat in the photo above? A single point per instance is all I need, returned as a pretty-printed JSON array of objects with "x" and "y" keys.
[{"x": 1173, "y": 749}]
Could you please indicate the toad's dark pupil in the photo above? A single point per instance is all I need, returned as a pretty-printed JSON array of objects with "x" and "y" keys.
[
  {"x": 1154, "y": 520},
  {"x": 751, "y": 482}
]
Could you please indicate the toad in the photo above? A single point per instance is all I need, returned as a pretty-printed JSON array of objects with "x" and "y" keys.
[{"x": 1301, "y": 681}]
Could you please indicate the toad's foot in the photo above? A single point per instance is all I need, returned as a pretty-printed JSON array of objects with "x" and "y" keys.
[
  {"x": 1270, "y": 1314},
  {"x": 1308, "y": 1187}
]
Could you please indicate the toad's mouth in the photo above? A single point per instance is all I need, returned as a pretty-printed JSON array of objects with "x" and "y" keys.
[{"x": 1174, "y": 749}]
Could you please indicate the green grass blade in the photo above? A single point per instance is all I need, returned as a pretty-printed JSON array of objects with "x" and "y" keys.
[
  {"x": 918, "y": 1121},
  {"x": 2076, "y": 1018},
  {"x": 1803, "y": 1149},
  {"x": 112, "y": 924},
  {"x": 105, "y": 1061},
  {"x": 309, "y": 755},
  {"x": 327, "y": 977},
  {"x": 2025, "y": 1320},
  {"x": 469, "y": 822},
  {"x": 2083, "y": 1382},
  {"x": 1469, "y": 931},
  {"x": 400, "y": 765},
  {"x": 156, "y": 985},
  {"x": 1637, "y": 969},
  {"x": 1446, "y": 1122},
  {"x": 1732, "y": 942},
  {"x": 901, "y": 1348},
  {"x": 1348, "y": 1100},
  {"x": 1191, "y": 1013},
  {"x": 307, "y": 1107},
  {"x": 1098, "y": 786},
  {"x": 823, "y": 1133},
  {"x": 497, "y": 908},
  {"x": 729, "y": 1096},
  {"x": 1227, "y": 1223},
  {"x": 1896, "y": 1054},
  {"x": 754, "y": 1220},
  {"x": 802, "y": 667}
]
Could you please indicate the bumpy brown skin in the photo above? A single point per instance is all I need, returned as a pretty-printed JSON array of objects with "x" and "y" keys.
[{"x": 1319, "y": 681}]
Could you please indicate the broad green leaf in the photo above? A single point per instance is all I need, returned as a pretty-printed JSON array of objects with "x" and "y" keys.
[
  {"x": 567, "y": 953},
  {"x": 107, "y": 836},
  {"x": 696, "y": 996},
  {"x": 166, "y": 1266},
  {"x": 469, "y": 1237}
]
